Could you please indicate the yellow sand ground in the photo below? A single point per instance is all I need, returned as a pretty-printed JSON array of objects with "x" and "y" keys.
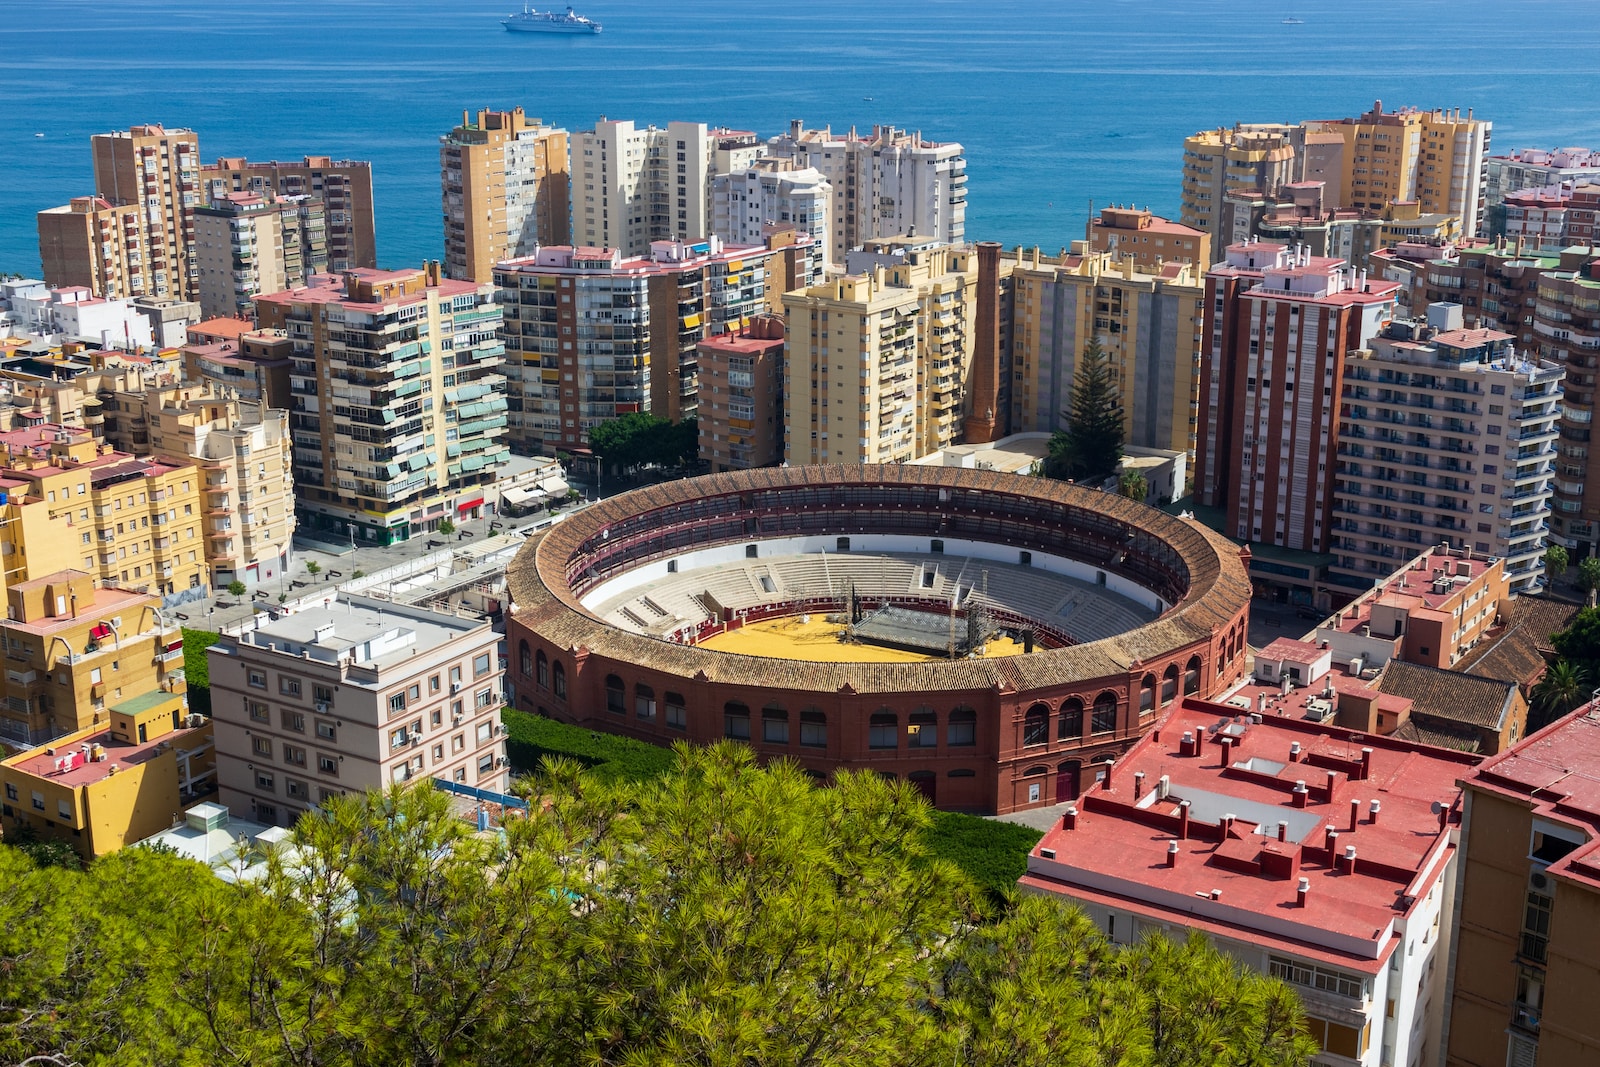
[{"x": 818, "y": 641}]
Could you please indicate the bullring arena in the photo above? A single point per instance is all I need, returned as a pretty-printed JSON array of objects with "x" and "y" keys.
[{"x": 987, "y": 637}]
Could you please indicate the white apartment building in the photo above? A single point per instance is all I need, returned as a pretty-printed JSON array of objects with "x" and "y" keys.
[
  {"x": 29, "y": 309},
  {"x": 768, "y": 192},
  {"x": 1536, "y": 168},
  {"x": 1446, "y": 435},
  {"x": 633, "y": 186},
  {"x": 351, "y": 697},
  {"x": 884, "y": 185}
]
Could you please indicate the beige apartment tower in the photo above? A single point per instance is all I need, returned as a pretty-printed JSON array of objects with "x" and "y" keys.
[
  {"x": 344, "y": 186},
  {"x": 158, "y": 170},
  {"x": 504, "y": 182},
  {"x": 95, "y": 243},
  {"x": 633, "y": 186}
]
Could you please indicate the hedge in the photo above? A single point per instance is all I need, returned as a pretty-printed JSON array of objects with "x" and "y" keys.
[
  {"x": 195, "y": 670},
  {"x": 993, "y": 854}
]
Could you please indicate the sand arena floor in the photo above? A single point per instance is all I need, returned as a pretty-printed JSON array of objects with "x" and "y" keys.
[{"x": 815, "y": 639}]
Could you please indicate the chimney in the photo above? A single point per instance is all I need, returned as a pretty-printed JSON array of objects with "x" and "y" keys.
[
  {"x": 1225, "y": 742},
  {"x": 1333, "y": 777},
  {"x": 1347, "y": 862},
  {"x": 1366, "y": 764},
  {"x": 1283, "y": 830},
  {"x": 1138, "y": 785},
  {"x": 1216, "y": 894},
  {"x": 1301, "y": 892},
  {"x": 1172, "y": 853},
  {"x": 1294, "y": 752},
  {"x": 1106, "y": 782},
  {"x": 1069, "y": 818},
  {"x": 1443, "y": 811},
  {"x": 1183, "y": 820},
  {"x": 1330, "y": 840},
  {"x": 1300, "y": 794},
  {"x": 1372, "y": 812},
  {"x": 1227, "y": 825},
  {"x": 1187, "y": 746}
]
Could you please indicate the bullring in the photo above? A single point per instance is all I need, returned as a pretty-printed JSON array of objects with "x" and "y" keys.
[{"x": 1128, "y": 610}]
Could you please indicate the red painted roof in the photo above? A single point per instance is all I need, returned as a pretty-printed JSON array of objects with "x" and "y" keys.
[{"x": 1289, "y": 648}]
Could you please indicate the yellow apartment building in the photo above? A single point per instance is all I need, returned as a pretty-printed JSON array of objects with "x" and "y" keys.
[
  {"x": 71, "y": 503},
  {"x": 72, "y": 650},
  {"x": 104, "y": 787},
  {"x": 503, "y": 177},
  {"x": 1260, "y": 157}
]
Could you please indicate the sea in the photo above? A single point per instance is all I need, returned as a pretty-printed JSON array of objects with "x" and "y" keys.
[{"x": 1062, "y": 105}]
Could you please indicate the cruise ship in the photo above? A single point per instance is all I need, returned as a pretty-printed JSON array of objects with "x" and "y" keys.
[{"x": 530, "y": 21}]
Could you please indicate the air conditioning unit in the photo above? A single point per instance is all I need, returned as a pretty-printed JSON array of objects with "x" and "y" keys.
[
  {"x": 502, "y": 762},
  {"x": 1540, "y": 882},
  {"x": 322, "y": 707},
  {"x": 455, "y": 687},
  {"x": 455, "y": 720},
  {"x": 416, "y": 739}
]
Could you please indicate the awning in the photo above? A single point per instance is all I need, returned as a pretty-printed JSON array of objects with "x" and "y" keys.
[
  {"x": 518, "y": 498},
  {"x": 468, "y": 505}
]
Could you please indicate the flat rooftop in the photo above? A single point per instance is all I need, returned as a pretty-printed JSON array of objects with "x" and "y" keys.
[
  {"x": 360, "y": 630},
  {"x": 80, "y": 770},
  {"x": 1244, "y": 843}
]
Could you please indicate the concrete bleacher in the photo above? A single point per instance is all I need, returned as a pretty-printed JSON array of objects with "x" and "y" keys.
[{"x": 1085, "y": 611}]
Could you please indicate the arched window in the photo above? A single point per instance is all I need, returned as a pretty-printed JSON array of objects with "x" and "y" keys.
[
  {"x": 677, "y": 714},
  {"x": 818, "y": 777},
  {"x": 525, "y": 659},
  {"x": 542, "y": 663},
  {"x": 616, "y": 699},
  {"x": 644, "y": 702},
  {"x": 1036, "y": 725},
  {"x": 1169, "y": 685},
  {"x": 883, "y": 729},
  {"x": 813, "y": 728},
  {"x": 736, "y": 720},
  {"x": 558, "y": 680},
  {"x": 962, "y": 729},
  {"x": 1191, "y": 677},
  {"x": 1035, "y": 771},
  {"x": 1147, "y": 693},
  {"x": 926, "y": 783},
  {"x": 923, "y": 732},
  {"x": 1070, "y": 726},
  {"x": 775, "y": 724},
  {"x": 1104, "y": 718}
]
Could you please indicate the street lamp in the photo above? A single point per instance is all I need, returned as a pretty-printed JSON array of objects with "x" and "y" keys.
[{"x": 350, "y": 528}]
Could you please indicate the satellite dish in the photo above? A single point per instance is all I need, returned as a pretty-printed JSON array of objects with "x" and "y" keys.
[{"x": 1436, "y": 807}]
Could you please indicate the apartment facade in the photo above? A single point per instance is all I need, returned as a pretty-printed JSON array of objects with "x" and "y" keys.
[
  {"x": 592, "y": 333},
  {"x": 73, "y": 503},
  {"x": 1148, "y": 319},
  {"x": 1280, "y": 325},
  {"x": 156, "y": 170},
  {"x": 888, "y": 183},
  {"x": 351, "y": 697},
  {"x": 745, "y": 203},
  {"x": 1537, "y": 168},
  {"x": 242, "y": 453},
  {"x": 247, "y": 244},
  {"x": 741, "y": 396},
  {"x": 343, "y": 186},
  {"x": 1566, "y": 330},
  {"x": 1445, "y": 434},
  {"x": 632, "y": 187},
  {"x": 253, "y": 366},
  {"x": 75, "y": 648},
  {"x": 1261, "y": 158},
  {"x": 92, "y": 242},
  {"x": 1527, "y": 934},
  {"x": 1265, "y": 833},
  {"x": 108, "y": 786},
  {"x": 398, "y": 403},
  {"x": 1149, "y": 240},
  {"x": 504, "y": 181}
]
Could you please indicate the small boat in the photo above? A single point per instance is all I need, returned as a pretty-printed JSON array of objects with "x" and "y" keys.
[
  {"x": 38, "y": 135},
  {"x": 528, "y": 20},
  {"x": 1292, "y": 21}
]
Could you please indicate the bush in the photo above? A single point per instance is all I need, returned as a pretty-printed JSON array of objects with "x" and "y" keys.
[
  {"x": 993, "y": 854},
  {"x": 195, "y": 669}
]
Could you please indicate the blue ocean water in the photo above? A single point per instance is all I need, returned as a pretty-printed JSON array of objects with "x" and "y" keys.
[{"x": 1058, "y": 102}]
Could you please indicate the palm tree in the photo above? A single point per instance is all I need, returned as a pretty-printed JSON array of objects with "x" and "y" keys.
[{"x": 1563, "y": 687}]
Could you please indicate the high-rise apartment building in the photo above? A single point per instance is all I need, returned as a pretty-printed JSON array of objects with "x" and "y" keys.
[
  {"x": 1261, "y": 158},
  {"x": 592, "y": 333},
  {"x": 252, "y": 366},
  {"x": 344, "y": 186},
  {"x": 1526, "y": 942},
  {"x": 247, "y": 244},
  {"x": 632, "y": 187},
  {"x": 398, "y": 401},
  {"x": 94, "y": 243},
  {"x": 1446, "y": 435},
  {"x": 1566, "y": 329},
  {"x": 887, "y": 184},
  {"x": 352, "y": 697},
  {"x": 75, "y": 504},
  {"x": 1280, "y": 325},
  {"x": 1149, "y": 240},
  {"x": 767, "y": 192},
  {"x": 157, "y": 170},
  {"x": 878, "y": 361},
  {"x": 242, "y": 452},
  {"x": 1537, "y": 168},
  {"x": 1148, "y": 319},
  {"x": 741, "y": 396},
  {"x": 504, "y": 181}
]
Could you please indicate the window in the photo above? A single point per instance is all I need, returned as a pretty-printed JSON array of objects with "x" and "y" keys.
[
  {"x": 1312, "y": 977},
  {"x": 261, "y": 746},
  {"x": 295, "y": 788},
  {"x": 558, "y": 680},
  {"x": 264, "y": 782},
  {"x": 775, "y": 725},
  {"x": 813, "y": 728},
  {"x": 1070, "y": 726},
  {"x": 11, "y": 791},
  {"x": 38, "y": 800},
  {"x": 923, "y": 729},
  {"x": 1530, "y": 995},
  {"x": 397, "y": 703},
  {"x": 524, "y": 658},
  {"x": 484, "y": 698},
  {"x": 736, "y": 721},
  {"x": 1104, "y": 718},
  {"x": 257, "y": 679},
  {"x": 962, "y": 728},
  {"x": 485, "y": 731},
  {"x": 259, "y": 712},
  {"x": 414, "y": 693},
  {"x": 677, "y": 714},
  {"x": 485, "y": 764},
  {"x": 455, "y": 675},
  {"x": 327, "y": 730},
  {"x": 542, "y": 677},
  {"x": 289, "y": 687},
  {"x": 1036, "y": 726},
  {"x": 94, "y": 675},
  {"x": 1191, "y": 677},
  {"x": 1147, "y": 694},
  {"x": 322, "y": 694},
  {"x": 293, "y": 720},
  {"x": 328, "y": 765},
  {"x": 64, "y": 810},
  {"x": 883, "y": 729},
  {"x": 616, "y": 699},
  {"x": 294, "y": 756},
  {"x": 1169, "y": 685},
  {"x": 433, "y": 685},
  {"x": 267, "y": 813},
  {"x": 644, "y": 703},
  {"x": 480, "y": 665},
  {"x": 1536, "y": 927},
  {"x": 1337, "y": 1039}
]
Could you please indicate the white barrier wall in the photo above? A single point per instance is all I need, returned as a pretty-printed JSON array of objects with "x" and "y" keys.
[{"x": 720, "y": 556}]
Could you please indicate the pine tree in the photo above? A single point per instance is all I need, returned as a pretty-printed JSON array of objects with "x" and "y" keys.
[{"x": 1089, "y": 448}]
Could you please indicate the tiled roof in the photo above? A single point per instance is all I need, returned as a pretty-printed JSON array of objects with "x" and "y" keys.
[
  {"x": 1449, "y": 695},
  {"x": 1515, "y": 655},
  {"x": 1425, "y": 733}
]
